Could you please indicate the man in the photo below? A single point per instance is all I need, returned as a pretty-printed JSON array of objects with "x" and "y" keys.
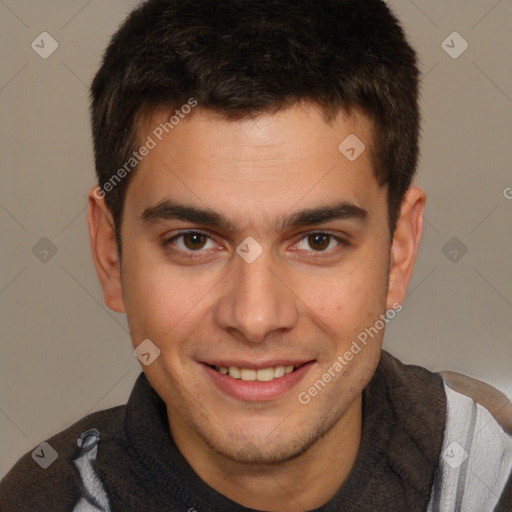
[{"x": 254, "y": 217}]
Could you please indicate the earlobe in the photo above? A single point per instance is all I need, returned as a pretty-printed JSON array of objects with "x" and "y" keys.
[
  {"x": 406, "y": 241},
  {"x": 104, "y": 250}
]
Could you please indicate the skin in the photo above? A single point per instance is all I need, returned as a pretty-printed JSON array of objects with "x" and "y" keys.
[{"x": 296, "y": 300}]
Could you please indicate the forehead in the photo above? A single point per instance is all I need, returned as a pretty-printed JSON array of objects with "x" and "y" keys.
[
  {"x": 282, "y": 158},
  {"x": 302, "y": 123}
]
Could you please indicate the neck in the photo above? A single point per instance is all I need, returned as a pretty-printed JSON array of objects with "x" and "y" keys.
[{"x": 304, "y": 483}]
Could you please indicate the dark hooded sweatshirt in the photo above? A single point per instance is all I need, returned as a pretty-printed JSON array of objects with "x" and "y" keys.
[{"x": 141, "y": 469}]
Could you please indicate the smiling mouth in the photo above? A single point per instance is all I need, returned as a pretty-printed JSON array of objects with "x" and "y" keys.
[{"x": 250, "y": 374}]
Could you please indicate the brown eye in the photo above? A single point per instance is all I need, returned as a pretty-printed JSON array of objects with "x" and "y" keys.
[
  {"x": 194, "y": 241},
  {"x": 319, "y": 241},
  {"x": 191, "y": 244}
]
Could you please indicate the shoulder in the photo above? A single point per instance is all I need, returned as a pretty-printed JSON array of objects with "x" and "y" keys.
[
  {"x": 469, "y": 425},
  {"x": 416, "y": 381},
  {"x": 476, "y": 457},
  {"x": 496, "y": 402},
  {"x": 46, "y": 475}
]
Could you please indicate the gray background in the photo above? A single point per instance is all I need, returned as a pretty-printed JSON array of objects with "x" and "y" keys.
[{"x": 64, "y": 354}]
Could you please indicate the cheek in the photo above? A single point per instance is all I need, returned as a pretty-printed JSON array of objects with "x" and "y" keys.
[
  {"x": 161, "y": 300},
  {"x": 150, "y": 298},
  {"x": 349, "y": 297}
]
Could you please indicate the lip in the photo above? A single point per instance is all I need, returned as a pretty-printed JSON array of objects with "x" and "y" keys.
[{"x": 255, "y": 390}]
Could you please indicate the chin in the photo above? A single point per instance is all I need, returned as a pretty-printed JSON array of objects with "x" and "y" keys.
[
  {"x": 269, "y": 447},
  {"x": 251, "y": 454}
]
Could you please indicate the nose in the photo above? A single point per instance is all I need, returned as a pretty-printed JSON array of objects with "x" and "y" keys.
[{"x": 255, "y": 302}]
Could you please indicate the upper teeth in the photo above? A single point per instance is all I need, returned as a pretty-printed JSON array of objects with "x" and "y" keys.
[{"x": 263, "y": 374}]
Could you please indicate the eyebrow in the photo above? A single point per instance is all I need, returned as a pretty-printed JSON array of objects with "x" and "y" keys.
[{"x": 168, "y": 210}]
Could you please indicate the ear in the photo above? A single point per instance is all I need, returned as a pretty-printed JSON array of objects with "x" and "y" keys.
[
  {"x": 104, "y": 249},
  {"x": 406, "y": 241}
]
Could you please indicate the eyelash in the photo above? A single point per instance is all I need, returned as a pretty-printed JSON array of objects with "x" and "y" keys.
[{"x": 168, "y": 244}]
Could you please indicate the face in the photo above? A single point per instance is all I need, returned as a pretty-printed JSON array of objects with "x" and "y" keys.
[{"x": 255, "y": 249}]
